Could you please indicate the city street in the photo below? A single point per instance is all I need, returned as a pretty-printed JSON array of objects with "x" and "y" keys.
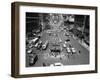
[{"x": 54, "y": 37}]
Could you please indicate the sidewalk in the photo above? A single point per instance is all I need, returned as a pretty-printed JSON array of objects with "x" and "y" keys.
[
  {"x": 81, "y": 42},
  {"x": 84, "y": 44}
]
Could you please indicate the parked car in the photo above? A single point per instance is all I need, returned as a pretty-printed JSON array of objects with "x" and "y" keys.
[
  {"x": 34, "y": 40},
  {"x": 29, "y": 46},
  {"x": 32, "y": 59},
  {"x": 29, "y": 51},
  {"x": 39, "y": 44},
  {"x": 45, "y": 45}
]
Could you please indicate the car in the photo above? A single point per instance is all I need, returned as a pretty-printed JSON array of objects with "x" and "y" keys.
[
  {"x": 29, "y": 46},
  {"x": 73, "y": 50},
  {"x": 64, "y": 45},
  {"x": 60, "y": 41},
  {"x": 34, "y": 34},
  {"x": 44, "y": 46},
  {"x": 67, "y": 40},
  {"x": 56, "y": 50},
  {"x": 51, "y": 65},
  {"x": 29, "y": 51},
  {"x": 66, "y": 34},
  {"x": 57, "y": 64},
  {"x": 34, "y": 40},
  {"x": 70, "y": 45},
  {"x": 32, "y": 59},
  {"x": 36, "y": 45},
  {"x": 68, "y": 50},
  {"x": 39, "y": 44}
]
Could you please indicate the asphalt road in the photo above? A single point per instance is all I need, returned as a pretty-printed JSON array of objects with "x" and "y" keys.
[{"x": 44, "y": 56}]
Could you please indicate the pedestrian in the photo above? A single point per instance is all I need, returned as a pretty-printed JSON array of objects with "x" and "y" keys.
[{"x": 79, "y": 51}]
